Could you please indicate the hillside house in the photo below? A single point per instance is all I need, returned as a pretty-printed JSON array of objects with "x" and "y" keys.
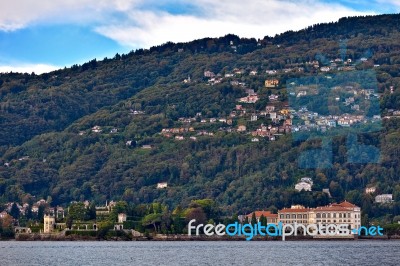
[
  {"x": 384, "y": 198},
  {"x": 271, "y": 83},
  {"x": 370, "y": 190},
  {"x": 162, "y": 185}
]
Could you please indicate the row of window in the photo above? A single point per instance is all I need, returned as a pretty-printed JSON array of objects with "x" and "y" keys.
[
  {"x": 319, "y": 215},
  {"x": 334, "y": 215},
  {"x": 294, "y": 216},
  {"x": 333, "y": 221},
  {"x": 291, "y": 221}
]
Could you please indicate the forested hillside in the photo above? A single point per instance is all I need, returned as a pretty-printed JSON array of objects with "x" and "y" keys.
[{"x": 115, "y": 128}]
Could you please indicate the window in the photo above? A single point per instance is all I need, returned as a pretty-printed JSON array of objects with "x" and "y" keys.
[
  {"x": 293, "y": 216},
  {"x": 340, "y": 215},
  {"x": 287, "y": 216},
  {"x": 323, "y": 215},
  {"x": 304, "y": 216},
  {"x": 334, "y": 215},
  {"x": 318, "y": 215},
  {"x": 282, "y": 216},
  {"x": 328, "y": 215}
]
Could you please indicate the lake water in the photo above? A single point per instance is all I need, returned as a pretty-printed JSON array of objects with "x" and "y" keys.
[{"x": 201, "y": 253}]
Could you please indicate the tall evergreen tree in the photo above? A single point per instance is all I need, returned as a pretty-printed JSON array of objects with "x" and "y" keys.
[
  {"x": 14, "y": 212},
  {"x": 253, "y": 218}
]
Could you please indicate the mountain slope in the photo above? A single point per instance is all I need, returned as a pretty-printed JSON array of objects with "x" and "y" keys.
[{"x": 132, "y": 98}]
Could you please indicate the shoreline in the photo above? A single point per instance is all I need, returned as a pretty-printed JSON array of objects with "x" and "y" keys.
[{"x": 167, "y": 238}]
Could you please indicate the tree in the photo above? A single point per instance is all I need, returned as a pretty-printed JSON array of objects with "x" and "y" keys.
[
  {"x": 69, "y": 222},
  {"x": 14, "y": 211},
  {"x": 263, "y": 220},
  {"x": 28, "y": 213},
  {"x": 6, "y": 221},
  {"x": 91, "y": 212},
  {"x": 209, "y": 207},
  {"x": 197, "y": 214},
  {"x": 152, "y": 219},
  {"x": 253, "y": 218},
  {"x": 77, "y": 211},
  {"x": 365, "y": 220},
  {"x": 40, "y": 213}
]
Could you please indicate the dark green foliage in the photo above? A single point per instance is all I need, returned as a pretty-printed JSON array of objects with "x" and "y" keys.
[
  {"x": 42, "y": 116},
  {"x": 14, "y": 212},
  {"x": 253, "y": 219}
]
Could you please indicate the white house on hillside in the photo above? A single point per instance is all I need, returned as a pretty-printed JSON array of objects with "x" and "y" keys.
[
  {"x": 162, "y": 185},
  {"x": 304, "y": 184},
  {"x": 384, "y": 198}
]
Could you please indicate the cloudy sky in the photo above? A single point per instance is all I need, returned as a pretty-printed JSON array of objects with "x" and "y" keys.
[{"x": 57, "y": 33}]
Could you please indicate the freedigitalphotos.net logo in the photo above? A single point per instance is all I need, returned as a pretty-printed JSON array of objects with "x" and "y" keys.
[
  {"x": 342, "y": 104},
  {"x": 282, "y": 230}
]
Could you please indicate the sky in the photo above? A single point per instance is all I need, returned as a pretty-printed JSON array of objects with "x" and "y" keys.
[{"x": 57, "y": 33}]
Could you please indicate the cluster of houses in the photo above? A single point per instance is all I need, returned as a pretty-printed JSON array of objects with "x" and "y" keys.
[
  {"x": 34, "y": 208},
  {"x": 306, "y": 183},
  {"x": 276, "y": 112},
  {"x": 380, "y": 198}
]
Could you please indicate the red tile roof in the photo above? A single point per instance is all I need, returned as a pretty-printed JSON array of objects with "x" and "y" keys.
[
  {"x": 332, "y": 208},
  {"x": 346, "y": 204},
  {"x": 285, "y": 210},
  {"x": 267, "y": 214},
  {"x": 343, "y": 206}
]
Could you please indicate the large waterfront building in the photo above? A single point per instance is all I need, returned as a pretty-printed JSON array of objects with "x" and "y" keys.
[
  {"x": 335, "y": 213},
  {"x": 342, "y": 213}
]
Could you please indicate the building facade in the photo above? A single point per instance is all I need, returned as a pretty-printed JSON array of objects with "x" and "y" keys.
[
  {"x": 49, "y": 224},
  {"x": 384, "y": 198},
  {"x": 295, "y": 214},
  {"x": 271, "y": 217},
  {"x": 335, "y": 213}
]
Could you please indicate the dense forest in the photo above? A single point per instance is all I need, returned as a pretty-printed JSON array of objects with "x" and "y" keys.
[{"x": 93, "y": 131}]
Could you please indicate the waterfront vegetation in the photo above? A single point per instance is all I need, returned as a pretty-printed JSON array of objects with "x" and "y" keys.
[{"x": 93, "y": 131}]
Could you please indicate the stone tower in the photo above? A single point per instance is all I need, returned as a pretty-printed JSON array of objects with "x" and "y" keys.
[{"x": 49, "y": 223}]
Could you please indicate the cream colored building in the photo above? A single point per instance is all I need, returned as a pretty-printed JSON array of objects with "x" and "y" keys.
[
  {"x": 342, "y": 213},
  {"x": 336, "y": 213},
  {"x": 49, "y": 223},
  {"x": 295, "y": 214}
]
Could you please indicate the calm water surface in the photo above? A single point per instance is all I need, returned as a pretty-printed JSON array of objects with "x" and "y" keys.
[{"x": 201, "y": 253}]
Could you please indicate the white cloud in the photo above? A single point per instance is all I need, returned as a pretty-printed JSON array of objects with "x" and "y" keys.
[
  {"x": 247, "y": 19},
  {"x": 17, "y": 14},
  {"x": 28, "y": 68},
  {"x": 144, "y": 23}
]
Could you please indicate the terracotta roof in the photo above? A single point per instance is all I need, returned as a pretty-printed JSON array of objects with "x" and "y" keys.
[
  {"x": 347, "y": 204},
  {"x": 293, "y": 210},
  {"x": 343, "y": 206},
  {"x": 332, "y": 208},
  {"x": 267, "y": 214}
]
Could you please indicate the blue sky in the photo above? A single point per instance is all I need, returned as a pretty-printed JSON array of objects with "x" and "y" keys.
[{"x": 53, "y": 34}]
